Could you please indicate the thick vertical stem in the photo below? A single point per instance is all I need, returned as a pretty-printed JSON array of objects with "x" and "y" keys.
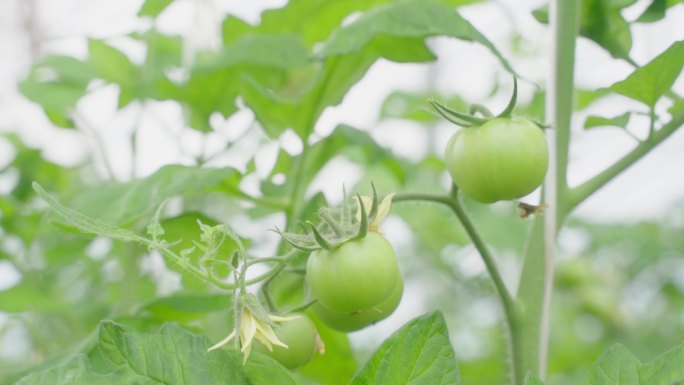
[{"x": 537, "y": 278}]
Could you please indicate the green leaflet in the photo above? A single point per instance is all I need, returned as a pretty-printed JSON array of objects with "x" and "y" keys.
[
  {"x": 618, "y": 366},
  {"x": 417, "y": 354},
  {"x": 170, "y": 356}
]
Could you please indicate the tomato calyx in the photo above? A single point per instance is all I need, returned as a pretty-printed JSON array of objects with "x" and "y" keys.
[
  {"x": 469, "y": 120},
  {"x": 340, "y": 225}
]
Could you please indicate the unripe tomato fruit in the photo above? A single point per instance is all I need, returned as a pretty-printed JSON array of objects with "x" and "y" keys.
[
  {"x": 348, "y": 322},
  {"x": 300, "y": 337},
  {"x": 355, "y": 276},
  {"x": 503, "y": 159}
]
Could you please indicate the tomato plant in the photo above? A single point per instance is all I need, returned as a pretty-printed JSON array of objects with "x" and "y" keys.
[
  {"x": 356, "y": 276},
  {"x": 301, "y": 338},
  {"x": 183, "y": 265}
]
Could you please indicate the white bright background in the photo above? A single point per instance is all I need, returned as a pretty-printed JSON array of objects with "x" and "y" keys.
[{"x": 30, "y": 29}]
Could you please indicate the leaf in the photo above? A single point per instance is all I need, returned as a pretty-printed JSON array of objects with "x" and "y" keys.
[
  {"x": 600, "y": 121},
  {"x": 648, "y": 83},
  {"x": 411, "y": 19},
  {"x": 323, "y": 17},
  {"x": 418, "y": 353},
  {"x": 656, "y": 11},
  {"x": 153, "y": 7},
  {"x": 85, "y": 223},
  {"x": 170, "y": 356},
  {"x": 618, "y": 366},
  {"x": 57, "y": 83},
  {"x": 124, "y": 203},
  {"x": 667, "y": 369},
  {"x": 216, "y": 81},
  {"x": 396, "y": 32},
  {"x": 110, "y": 64}
]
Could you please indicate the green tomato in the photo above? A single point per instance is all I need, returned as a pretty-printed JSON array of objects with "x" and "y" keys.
[
  {"x": 300, "y": 337},
  {"x": 348, "y": 322},
  {"x": 504, "y": 159},
  {"x": 355, "y": 276}
]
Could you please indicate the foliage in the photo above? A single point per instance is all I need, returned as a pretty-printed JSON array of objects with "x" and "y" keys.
[{"x": 126, "y": 281}]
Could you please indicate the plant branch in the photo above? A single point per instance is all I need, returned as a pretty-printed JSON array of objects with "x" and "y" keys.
[
  {"x": 578, "y": 194},
  {"x": 509, "y": 307}
]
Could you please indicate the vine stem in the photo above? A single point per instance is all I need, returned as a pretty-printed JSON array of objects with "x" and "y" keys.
[
  {"x": 453, "y": 201},
  {"x": 578, "y": 194},
  {"x": 280, "y": 262}
]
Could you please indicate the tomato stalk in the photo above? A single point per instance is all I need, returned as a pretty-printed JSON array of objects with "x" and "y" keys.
[
  {"x": 536, "y": 282},
  {"x": 510, "y": 308}
]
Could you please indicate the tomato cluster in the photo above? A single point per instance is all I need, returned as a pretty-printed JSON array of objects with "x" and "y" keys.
[{"x": 357, "y": 283}]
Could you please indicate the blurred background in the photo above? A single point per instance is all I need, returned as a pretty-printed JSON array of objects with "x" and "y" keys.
[{"x": 620, "y": 273}]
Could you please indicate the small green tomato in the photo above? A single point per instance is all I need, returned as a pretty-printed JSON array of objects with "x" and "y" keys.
[{"x": 301, "y": 338}]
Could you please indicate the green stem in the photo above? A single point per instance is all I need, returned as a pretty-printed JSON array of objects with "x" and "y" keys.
[
  {"x": 578, "y": 194},
  {"x": 536, "y": 282},
  {"x": 509, "y": 307},
  {"x": 210, "y": 278}
]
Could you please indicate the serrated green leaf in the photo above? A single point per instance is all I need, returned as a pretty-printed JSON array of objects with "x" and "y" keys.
[
  {"x": 216, "y": 82},
  {"x": 170, "y": 356},
  {"x": 154, "y": 7},
  {"x": 600, "y": 121},
  {"x": 124, "y": 203},
  {"x": 413, "y": 19},
  {"x": 667, "y": 369},
  {"x": 396, "y": 32},
  {"x": 418, "y": 353},
  {"x": 323, "y": 17},
  {"x": 648, "y": 83},
  {"x": 618, "y": 366},
  {"x": 85, "y": 223}
]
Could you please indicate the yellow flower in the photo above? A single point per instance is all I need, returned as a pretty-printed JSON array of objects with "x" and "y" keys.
[
  {"x": 383, "y": 210},
  {"x": 252, "y": 328}
]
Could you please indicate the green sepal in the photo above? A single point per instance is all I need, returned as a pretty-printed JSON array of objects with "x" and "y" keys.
[
  {"x": 457, "y": 117},
  {"x": 322, "y": 242},
  {"x": 363, "y": 225},
  {"x": 298, "y": 241}
]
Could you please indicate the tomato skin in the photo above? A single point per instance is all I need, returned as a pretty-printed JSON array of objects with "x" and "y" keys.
[
  {"x": 300, "y": 337},
  {"x": 504, "y": 159},
  {"x": 355, "y": 276},
  {"x": 348, "y": 322}
]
